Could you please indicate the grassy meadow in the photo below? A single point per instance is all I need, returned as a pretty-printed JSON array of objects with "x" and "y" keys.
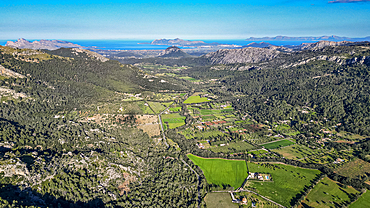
[
  {"x": 363, "y": 201},
  {"x": 195, "y": 99},
  {"x": 328, "y": 193},
  {"x": 288, "y": 181},
  {"x": 173, "y": 120},
  {"x": 216, "y": 200},
  {"x": 222, "y": 171}
]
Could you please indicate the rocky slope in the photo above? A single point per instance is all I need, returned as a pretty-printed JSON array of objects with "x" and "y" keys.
[
  {"x": 42, "y": 44},
  {"x": 245, "y": 55},
  {"x": 321, "y": 44}
]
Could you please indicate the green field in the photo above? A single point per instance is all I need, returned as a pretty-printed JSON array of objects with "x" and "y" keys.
[
  {"x": 175, "y": 109},
  {"x": 195, "y": 99},
  {"x": 174, "y": 120},
  {"x": 144, "y": 108},
  {"x": 200, "y": 135},
  {"x": 167, "y": 104},
  {"x": 354, "y": 168},
  {"x": 278, "y": 144},
  {"x": 157, "y": 107},
  {"x": 298, "y": 151},
  {"x": 216, "y": 200},
  {"x": 328, "y": 193},
  {"x": 363, "y": 201},
  {"x": 190, "y": 79},
  {"x": 222, "y": 171},
  {"x": 288, "y": 181}
]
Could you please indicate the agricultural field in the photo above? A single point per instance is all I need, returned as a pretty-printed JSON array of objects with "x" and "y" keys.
[
  {"x": 277, "y": 144},
  {"x": 298, "y": 151},
  {"x": 233, "y": 147},
  {"x": 286, "y": 130},
  {"x": 200, "y": 135},
  {"x": 328, "y": 193},
  {"x": 190, "y": 79},
  {"x": 173, "y": 120},
  {"x": 196, "y": 99},
  {"x": 353, "y": 168},
  {"x": 167, "y": 104},
  {"x": 175, "y": 109},
  {"x": 157, "y": 107},
  {"x": 259, "y": 201},
  {"x": 288, "y": 181},
  {"x": 363, "y": 201},
  {"x": 151, "y": 129},
  {"x": 216, "y": 200},
  {"x": 222, "y": 171},
  {"x": 330, "y": 157}
]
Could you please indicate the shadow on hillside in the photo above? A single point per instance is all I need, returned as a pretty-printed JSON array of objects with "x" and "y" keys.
[{"x": 13, "y": 196}]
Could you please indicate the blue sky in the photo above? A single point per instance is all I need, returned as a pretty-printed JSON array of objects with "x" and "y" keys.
[{"x": 201, "y": 19}]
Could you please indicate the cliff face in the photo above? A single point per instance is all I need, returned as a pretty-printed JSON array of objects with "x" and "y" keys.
[
  {"x": 245, "y": 55},
  {"x": 42, "y": 44}
]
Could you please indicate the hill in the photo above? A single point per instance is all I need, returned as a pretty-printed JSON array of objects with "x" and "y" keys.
[
  {"x": 174, "y": 52},
  {"x": 42, "y": 44},
  {"x": 245, "y": 55}
]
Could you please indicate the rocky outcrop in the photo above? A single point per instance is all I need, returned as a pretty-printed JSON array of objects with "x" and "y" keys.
[
  {"x": 42, "y": 44},
  {"x": 245, "y": 55},
  {"x": 320, "y": 44},
  {"x": 90, "y": 54},
  {"x": 338, "y": 59},
  {"x": 9, "y": 73},
  {"x": 174, "y": 52}
]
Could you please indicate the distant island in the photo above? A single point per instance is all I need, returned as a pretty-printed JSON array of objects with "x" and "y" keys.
[
  {"x": 42, "y": 44},
  {"x": 188, "y": 43},
  {"x": 328, "y": 38}
]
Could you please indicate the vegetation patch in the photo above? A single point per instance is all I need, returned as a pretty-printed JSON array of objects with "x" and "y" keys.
[
  {"x": 328, "y": 193},
  {"x": 233, "y": 147},
  {"x": 216, "y": 200},
  {"x": 363, "y": 201},
  {"x": 288, "y": 181},
  {"x": 298, "y": 151},
  {"x": 173, "y": 120},
  {"x": 354, "y": 168},
  {"x": 222, "y": 171},
  {"x": 175, "y": 109},
  {"x": 196, "y": 99},
  {"x": 157, "y": 107},
  {"x": 277, "y": 144}
]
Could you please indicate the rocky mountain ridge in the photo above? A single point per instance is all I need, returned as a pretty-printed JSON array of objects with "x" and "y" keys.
[
  {"x": 42, "y": 44},
  {"x": 245, "y": 55},
  {"x": 327, "y": 38}
]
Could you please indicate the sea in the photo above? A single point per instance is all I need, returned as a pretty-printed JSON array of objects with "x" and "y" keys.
[{"x": 134, "y": 44}]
